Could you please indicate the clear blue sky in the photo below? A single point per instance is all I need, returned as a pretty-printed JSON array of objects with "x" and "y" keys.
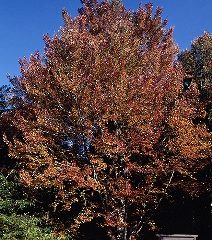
[{"x": 24, "y": 22}]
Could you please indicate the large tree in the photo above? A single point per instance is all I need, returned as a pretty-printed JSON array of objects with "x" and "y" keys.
[{"x": 106, "y": 127}]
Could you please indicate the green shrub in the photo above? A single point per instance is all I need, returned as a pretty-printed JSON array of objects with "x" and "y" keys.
[{"x": 16, "y": 223}]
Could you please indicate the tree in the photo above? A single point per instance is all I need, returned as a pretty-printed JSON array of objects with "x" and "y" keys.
[
  {"x": 10, "y": 98},
  {"x": 18, "y": 219},
  {"x": 3, "y": 102},
  {"x": 106, "y": 127},
  {"x": 197, "y": 66},
  {"x": 4, "y": 92}
]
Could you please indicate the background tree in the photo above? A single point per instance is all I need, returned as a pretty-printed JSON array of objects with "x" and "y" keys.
[
  {"x": 197, "y": 65},
  {"x": 17, "y": 220},
  {"x": 3, "y": 102},
  {"x": 106, "y": 130},
  {"x": 4, "y": 105}
]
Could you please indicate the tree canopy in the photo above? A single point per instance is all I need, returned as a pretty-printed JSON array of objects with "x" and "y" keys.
[{"x": 105, "y": 128}]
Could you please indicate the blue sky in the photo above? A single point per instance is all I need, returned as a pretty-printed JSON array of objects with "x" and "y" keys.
[{"x": 24, "y": 22}]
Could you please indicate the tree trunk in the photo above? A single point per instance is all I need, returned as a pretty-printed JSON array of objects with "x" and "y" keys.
[{"x": 122, "y": 229}]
